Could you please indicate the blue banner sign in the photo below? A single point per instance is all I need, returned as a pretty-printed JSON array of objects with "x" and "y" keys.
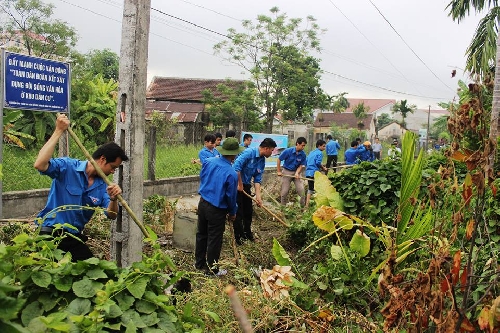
[
  {"x": 32, "y": 83},
  {"x": 281, "y": 142}
]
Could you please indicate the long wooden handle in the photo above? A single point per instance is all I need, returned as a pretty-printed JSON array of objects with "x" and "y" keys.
[
  {"x": 267, "y": 210},
  {"x": 107, "y": 181},
  {"x": 290, "y": 176}
]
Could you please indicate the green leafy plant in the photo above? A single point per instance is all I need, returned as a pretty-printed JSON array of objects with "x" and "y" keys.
[
  {"x": 45, "y": 291},
  {"x": 370, "y": 190}
]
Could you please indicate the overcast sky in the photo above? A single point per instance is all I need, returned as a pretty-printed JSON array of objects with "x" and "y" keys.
[{"x": 362, "y": 55}]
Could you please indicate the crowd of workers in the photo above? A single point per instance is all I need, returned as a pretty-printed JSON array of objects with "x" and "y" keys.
[{"x": 229, "y": 170}]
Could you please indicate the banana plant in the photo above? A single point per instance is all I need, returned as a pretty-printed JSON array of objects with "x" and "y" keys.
[{"x": 10, "y": 134}]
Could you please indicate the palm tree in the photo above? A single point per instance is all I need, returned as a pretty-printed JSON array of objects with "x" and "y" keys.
[
  {"x": 482, "y": 48},
  {"x": 482, "y": 52},
  {"x": 360, "y": 112},
  {"x": 403, "y": 108}
]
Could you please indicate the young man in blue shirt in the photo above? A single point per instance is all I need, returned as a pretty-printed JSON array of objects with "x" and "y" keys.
[
  {"x": 366, "y": 152},
  {"x": 218, "y": 196},
  {"x": 332, "y": 151},
  {"x": 294, "y": 160},
  {"x": 314, "y": 163},
  {"x": 249, "y": 165},
  {"x": 76, "y": 182},
  {"x": 351, "y": 155},
  {"x": 247, "y": 140},
  {"x": 207, "y": 151}
]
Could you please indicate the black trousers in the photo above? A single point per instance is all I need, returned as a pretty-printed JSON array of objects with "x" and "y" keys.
[
  {"x": 72, "y": 243},
  {"x": 243, "y": 223},
  {"x": 331, "y": 159},
  {"x": 211, "y": 225}
]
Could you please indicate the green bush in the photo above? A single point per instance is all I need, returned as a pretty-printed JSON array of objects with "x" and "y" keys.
[
  {"x": 370, "y": 190},
  {"x": 42, "y": 290}
]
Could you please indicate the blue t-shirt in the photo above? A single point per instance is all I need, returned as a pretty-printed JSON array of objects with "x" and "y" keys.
[
  {"x": 351, "y": 156},
  {"x": 332, "y": 147},
  {"x": 366, "y": 155},
  {"x": 292, "y": 158},
  {"x": 207, "y": 153},
  {"x": 250, "y": 164},
  {"x": 219, "y": 184},
  {"x": 70, "y": 187},
  {"x": 314, "y": 160}
]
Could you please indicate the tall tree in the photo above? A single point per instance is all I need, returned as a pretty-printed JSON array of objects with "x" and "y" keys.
[
  {"x": 236, "y": 106},
  {"x": 29, "y": 23},
  {"x": 403, "y": 108},
  {"x": 383, "y": 119},
  {"x": 104, "y": 62},
  {"x": 27, "y": 27},
  {"x": 274, "y": 51}
]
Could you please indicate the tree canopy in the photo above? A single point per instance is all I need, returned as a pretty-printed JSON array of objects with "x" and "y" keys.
[
  {"x": 29, "y": 25},
  {"x": 235, "y": 107},
  {"x": 274, "y": 51}
]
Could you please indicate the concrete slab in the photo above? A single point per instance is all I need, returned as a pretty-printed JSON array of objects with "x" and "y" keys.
[{"x": 186, "y": 202}]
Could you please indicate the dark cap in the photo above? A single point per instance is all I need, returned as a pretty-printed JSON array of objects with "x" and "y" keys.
[{"x": 230, "y": 147}]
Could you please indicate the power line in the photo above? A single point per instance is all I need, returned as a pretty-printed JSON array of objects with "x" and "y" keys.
[
  {"x": 416, "y": 55},
  {"x": 369, "y": 41},
  {"x": 201, "y": 27},
  {"x": 383, "y": 88},
  {"x": 119, "y": 21},
  {"x": 211, "y": 10}
]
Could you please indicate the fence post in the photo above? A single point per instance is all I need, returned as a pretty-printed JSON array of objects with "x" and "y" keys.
[{"x": 152, "y": 154}]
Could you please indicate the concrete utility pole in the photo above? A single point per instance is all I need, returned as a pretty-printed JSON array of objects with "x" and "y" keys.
[{"x": 126, "y": 237}]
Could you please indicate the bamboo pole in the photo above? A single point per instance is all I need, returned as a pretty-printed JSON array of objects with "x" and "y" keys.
[
  {"x": 290, "y": 176},
  {"x": 108, "y": 182},
  {"x": 267, "y": 210},
  {"x": 233, "y": 243}
]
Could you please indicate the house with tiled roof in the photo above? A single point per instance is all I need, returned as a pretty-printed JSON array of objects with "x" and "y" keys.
[
  {"x": 182, "y": 99},
  {"x": 324, "y": 121},
  {"x": 374, "y": 107}
]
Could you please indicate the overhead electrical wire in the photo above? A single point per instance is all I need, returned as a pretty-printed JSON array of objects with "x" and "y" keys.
[
  {"x": 404, "y": 41},
  {"x": 371, "y": 43},
  {"x": 228, "y": 37},
  {"x": 386, "y": 89}
]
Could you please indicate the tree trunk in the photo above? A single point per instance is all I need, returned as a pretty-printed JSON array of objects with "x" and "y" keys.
[{"x": 494, "y": 124}]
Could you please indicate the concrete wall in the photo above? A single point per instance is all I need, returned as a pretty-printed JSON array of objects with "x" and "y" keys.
[{"x": 26, "y": 204}]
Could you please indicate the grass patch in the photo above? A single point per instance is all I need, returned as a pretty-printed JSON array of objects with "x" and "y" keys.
[{"x": 20, "y": 175}]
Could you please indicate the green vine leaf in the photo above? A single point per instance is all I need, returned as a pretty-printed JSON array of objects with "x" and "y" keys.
[
  {"x": 138, "y": 287},
  {"x": 63, "y": 283},
  {"x": 79, "y": 306},
  {"x": 84, "y": 288},
  {"x": 41, "y": 279}
]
